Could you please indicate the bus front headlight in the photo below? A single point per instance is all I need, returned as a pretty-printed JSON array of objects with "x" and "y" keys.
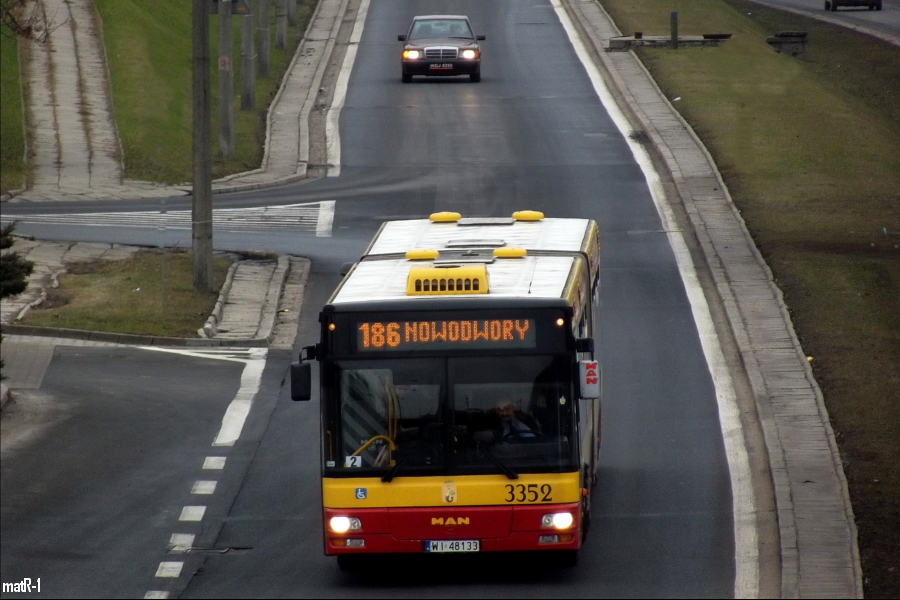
[
  {"x": 562, "y": 520},
  {"x": 344, "y": 524}
]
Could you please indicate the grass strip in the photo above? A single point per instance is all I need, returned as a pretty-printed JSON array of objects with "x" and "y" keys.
[
  {"x": 12, "y": 136},
  {"x": 148, "y": 48},
  {"x": 809, "y": 150},
  {"x": 151, "y": 293}
]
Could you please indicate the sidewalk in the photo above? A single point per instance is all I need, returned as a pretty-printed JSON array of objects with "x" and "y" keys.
[{"x": 77, "y": 152}]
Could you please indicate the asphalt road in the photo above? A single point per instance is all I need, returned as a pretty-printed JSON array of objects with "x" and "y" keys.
[
  {"x": 532, "y": 134},
  {"x": 885, "y": 21}
]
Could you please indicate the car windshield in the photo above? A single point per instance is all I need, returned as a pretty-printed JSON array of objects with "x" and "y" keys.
[
  {"x": 450, "y": 415},
  {"x": 440, "y": 28}
]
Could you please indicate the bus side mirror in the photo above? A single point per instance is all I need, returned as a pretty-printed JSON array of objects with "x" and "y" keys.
[
  {"x": 301, "y": 381},
  {"x": 585, "y": 345}
]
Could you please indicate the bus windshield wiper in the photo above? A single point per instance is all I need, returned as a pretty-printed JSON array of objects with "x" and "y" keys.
[
  {"x": 487, "y": 452},
  {"x": 392, "y": 472},
  {"x": 502, "y": 465}
]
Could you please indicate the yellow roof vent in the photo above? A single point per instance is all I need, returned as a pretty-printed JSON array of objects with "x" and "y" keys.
[
  {"x": 447, "y": 281},
  {"x": 422, "y": 254},
  {"x": 510, "y": 252},
  {"x": 528, "y": 215},
  {"x": 445, "y": 217}
]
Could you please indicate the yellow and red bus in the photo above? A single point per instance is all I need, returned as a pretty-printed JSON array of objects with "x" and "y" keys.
[{"x": 459, "y": 394}]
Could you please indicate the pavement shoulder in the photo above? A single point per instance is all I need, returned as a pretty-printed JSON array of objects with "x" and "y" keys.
[{"x": 819, "y": 554}]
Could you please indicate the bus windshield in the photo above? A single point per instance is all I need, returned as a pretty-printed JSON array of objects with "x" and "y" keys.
[{"x": 446, "y": 415}]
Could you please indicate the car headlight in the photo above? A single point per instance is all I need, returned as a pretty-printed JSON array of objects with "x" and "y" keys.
[
  {"x": 412, "y": 54},
  {"x": 470, "y": 54}
]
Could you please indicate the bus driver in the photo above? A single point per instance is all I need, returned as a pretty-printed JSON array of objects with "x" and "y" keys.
[{"x": 513, "y": 423}]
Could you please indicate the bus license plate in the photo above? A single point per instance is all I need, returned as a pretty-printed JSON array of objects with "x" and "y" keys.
[{"x": 453, "y": 546}]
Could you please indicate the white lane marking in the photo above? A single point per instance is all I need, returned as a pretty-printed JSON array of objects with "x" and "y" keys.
[
  {"x": 332, "y": 126},
  {"x": 746, "y": 582},
  {"x": 326, "y": 218},
  {"x": 182, "y": 539},
  {"x": 180, "y": 543},
  {"x": 204, "y": 487},
  {"x": 236, "y": 415},
  {"x": 192, "y": 513},
  {"x": 169, "y": 569},
  {"x": 234, "y": 355},
  {"x": 237, "y": 411},
  {"x": 214, "y": 462},
  {"x": 294, "y": 217},
  {"x": 156, "y": 594}
]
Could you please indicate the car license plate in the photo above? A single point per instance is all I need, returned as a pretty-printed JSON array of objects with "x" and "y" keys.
[
  {"x": 441, "y": 65},
  {"x": 453, "y": 546}
]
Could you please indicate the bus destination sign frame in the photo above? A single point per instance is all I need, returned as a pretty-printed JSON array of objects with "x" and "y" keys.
[{"x": 445, "y": 334}]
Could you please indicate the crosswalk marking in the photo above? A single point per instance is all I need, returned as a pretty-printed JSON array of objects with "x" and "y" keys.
[{"x": 310, "y": 217}]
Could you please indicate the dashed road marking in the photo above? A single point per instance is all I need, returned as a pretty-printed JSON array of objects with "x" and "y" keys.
[
  {"x": 204, "y": 487},
  {"x": 192, "y": 513},
  {"x": 214, "y": 462},
  {"x": 180, "y": 543},
  {"x": 169, "y": 568}
]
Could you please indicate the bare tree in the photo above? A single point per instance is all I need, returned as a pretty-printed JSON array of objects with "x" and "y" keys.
[{"x": 28, "y": 19}]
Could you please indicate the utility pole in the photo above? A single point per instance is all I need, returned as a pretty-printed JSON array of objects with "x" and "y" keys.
[
  {"x": 226, "y": 81},
  {"x": 263, "y": 41},
  {"x": 248, "y": 76},
  {"x": 201, "y": 217},
  {"x": 281, "y": 24}
]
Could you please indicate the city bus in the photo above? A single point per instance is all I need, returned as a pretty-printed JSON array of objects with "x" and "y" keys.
[{"x": 460, "y": 401}]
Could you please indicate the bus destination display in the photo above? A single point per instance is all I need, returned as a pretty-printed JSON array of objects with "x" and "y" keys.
[{"x": 445, "y": 334}]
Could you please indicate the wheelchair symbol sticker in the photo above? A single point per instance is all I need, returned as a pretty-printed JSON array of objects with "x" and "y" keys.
[{"x": 360, "y": 493}]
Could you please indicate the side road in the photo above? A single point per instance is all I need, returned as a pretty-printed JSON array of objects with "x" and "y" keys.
[{"x": 817, "y": 537}]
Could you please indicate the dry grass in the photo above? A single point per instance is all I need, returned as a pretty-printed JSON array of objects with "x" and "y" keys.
[{"x": 149, "y": 294}]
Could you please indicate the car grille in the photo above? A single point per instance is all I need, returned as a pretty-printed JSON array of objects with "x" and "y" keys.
[{"x": 440, "y": 53}]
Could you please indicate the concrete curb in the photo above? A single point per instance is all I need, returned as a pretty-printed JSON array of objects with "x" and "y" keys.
[
  {"x": 211, "y": 326},
  {"x": 269, "y": 311}
]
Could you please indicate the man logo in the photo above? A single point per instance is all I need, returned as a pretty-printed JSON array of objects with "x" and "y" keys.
[{"x": 450, "y": 521}]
